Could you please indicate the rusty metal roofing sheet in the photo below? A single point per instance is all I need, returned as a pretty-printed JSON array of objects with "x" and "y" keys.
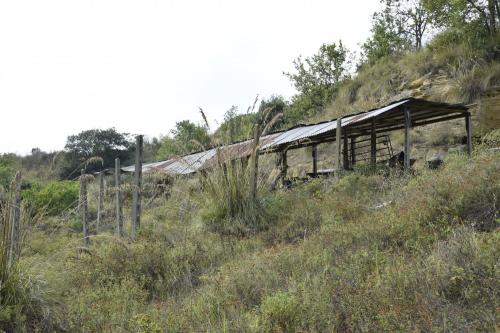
[
  {"x": 188, "y": 164},
  {"x": 370, "y": 114}
]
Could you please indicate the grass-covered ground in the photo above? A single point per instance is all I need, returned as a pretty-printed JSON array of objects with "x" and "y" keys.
[{"x": 369, "y": 252}]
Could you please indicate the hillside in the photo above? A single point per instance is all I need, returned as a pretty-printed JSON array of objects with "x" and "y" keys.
[{"x": 374, "y": 250}]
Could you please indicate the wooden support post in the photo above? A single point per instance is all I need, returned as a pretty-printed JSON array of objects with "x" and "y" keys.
[
  {"x": 373, "y": 145},
  {"x": 255, "y": 164},
  {"x": 315, "y": 160},
  {"x": 345, "y": 151},
  {"x": 100, "y": 201},
  {"x": 15, "y": 218},
  {"x": 407, "y": 138},
  {"x": 84, "y": 208},
  {"x": 353, "y": 150},
  {"x": 284, "y": 167},
  {"x": 244, "y": 162},
  {"x": 338, "y": 134},
  {"x": 136, "y": 196},
  {"x": 468, "y": 128},
  {"x": 118, "y": 194}
]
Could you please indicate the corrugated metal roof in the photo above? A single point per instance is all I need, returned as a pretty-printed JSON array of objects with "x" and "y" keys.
[{"x": 200, "y": 160}]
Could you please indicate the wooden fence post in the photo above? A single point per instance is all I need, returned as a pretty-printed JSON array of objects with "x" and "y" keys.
[
  {"x": 118, "y": 196},
  {"x": 84, "y": 208},
  {"x": 15, "y": 216},
  {"x": 255, "y": 164},
  {"x": 100, "y": 201},
  {"x": 136, "y": 196}
]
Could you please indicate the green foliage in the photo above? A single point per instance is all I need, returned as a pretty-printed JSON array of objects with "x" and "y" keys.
[
  {"x": 7, "y": 164},
  {"x": 185, "y": 138},
  {"x": 477, "y": 17},
  {"x": 23, "y": 302},
  {"x": 387, "y": 37},
  {"x": 282, "y": 310},
  {"x": 52, "y": 198},
  {"x": 235, "y": 127},
  {"x": 108, "y": 307},
  {"x": 87, "y": 146},
  {"x": 316, "y": 78}
]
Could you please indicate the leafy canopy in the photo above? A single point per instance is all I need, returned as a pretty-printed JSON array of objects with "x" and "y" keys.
[
  {"x": 316, "y": 78},
  {"x": 107, "y": 144},
  {"x": 186, "y": 137}
]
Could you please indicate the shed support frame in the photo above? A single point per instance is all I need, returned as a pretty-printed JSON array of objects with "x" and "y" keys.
[
  {"x": 315, "y": 160},
  {"x": 373, "y": 144},
  {"x": 468, "y": 128},
  {"x": 407, "y": 144}
]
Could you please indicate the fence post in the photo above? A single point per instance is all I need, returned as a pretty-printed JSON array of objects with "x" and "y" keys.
[
  {"x": 118, "y": 195},
  {"x": 15, "y": 216},
  {"x": 100, "y": 201},
  {"x": 136, "y": 198},
  {"x": 84, "y": 208}
]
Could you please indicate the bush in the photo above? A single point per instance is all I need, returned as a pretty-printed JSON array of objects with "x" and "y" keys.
[
  {"x": 282, "y": 310},
  {"x": 52, "y": 198}
]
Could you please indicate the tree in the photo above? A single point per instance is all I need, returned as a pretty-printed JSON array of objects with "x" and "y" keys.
[
  {"x": 186, "y": 137},
  {"x": 316, "y": 78},
  {"x": 400, "y": 26},
  {"x": 465, "y": 14},
  {"x": 95, "y": 145},
  {"x": 387, "y": 37}
]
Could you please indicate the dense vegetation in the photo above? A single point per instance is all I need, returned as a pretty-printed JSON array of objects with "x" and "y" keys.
[{"x": 374, "y": 250}]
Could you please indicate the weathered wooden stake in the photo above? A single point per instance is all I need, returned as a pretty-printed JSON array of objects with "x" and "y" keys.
[
  {"x": 136, "y": 196},
  {"x": 407, "y": 138},
  {"x": 468, "y": 128},
  {"x": 315, "y": 160},
  {"x": 338, "y": 153},
  {"x": 118, "y": 194},
  {"x": 373, "y": 145},
  {"x": 345, "y": 151},
  {"x": 100, "y": 201},
  {"x": 84, "y": 208},
  {"x": 15, "y": 216},
  {"x": 353, "y": 151},
  {"x": 255, "y": 164}
]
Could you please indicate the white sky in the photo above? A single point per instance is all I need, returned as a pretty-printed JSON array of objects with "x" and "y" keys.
[{"x": 140, "y": 66}]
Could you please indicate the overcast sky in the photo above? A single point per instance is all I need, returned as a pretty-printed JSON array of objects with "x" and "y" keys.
[{"x": 140, "y": 66}]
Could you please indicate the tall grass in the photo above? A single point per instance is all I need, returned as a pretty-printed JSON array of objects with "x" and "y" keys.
[
  {"x": 21, "y": 299},
  {"x": 232, "y": 187}
]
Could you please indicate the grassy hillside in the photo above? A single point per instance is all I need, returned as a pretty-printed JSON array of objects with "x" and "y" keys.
[{"x": 367, "y": 253}]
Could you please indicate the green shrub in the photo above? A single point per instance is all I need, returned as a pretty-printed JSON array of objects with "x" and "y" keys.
[
  {"x": 52, "y": 198},
  {"x": 282, "y": 310},
  {"x": 108, "y": 307}
]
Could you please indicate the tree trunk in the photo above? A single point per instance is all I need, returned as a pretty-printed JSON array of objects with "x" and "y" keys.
[{"x": 492, "y": 15}]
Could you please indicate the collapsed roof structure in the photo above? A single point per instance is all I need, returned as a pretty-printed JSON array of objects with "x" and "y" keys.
[{"x": 404, "y": 114}]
